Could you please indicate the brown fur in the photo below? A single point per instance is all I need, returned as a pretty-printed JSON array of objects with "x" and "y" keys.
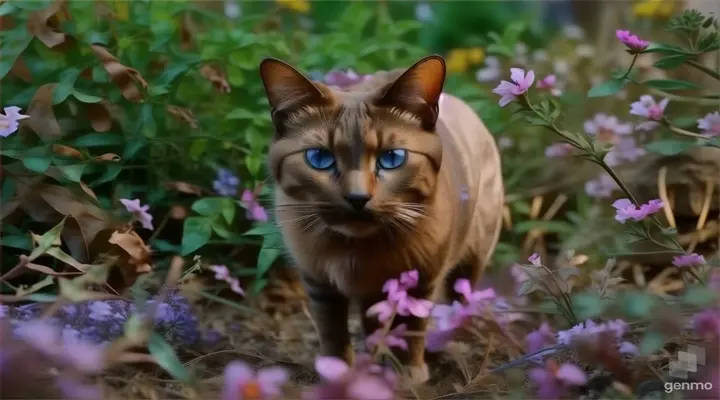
[{"x": 440, "y": 210}]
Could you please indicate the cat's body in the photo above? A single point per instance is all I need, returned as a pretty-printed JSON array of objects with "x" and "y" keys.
[{"x": 439, "y": 209}]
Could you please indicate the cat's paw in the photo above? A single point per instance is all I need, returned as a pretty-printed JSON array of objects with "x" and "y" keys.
[{"x": 418, "y": 374}]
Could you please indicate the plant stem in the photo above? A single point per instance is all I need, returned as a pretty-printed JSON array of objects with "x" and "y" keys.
[
  {"x": 703, "y": 68},
  {"x": 526, "y": 358},
  {"x": 632, "y": 64}
]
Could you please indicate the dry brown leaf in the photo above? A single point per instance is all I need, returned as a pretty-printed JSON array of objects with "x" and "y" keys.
[
  {"x": 183, "y": 115},
  {"x": 134, "y": 260},
  {"x": 49, "y": 271},
  {"x": 67, "y": 151},
  {"x": 99, "y": 115},
  {"x": 42, "y": 23},
  {"x": 187, "y": 32},
  {"x": 112, "y": 157},
  {"x": 124, "y": 77},
  {"x": 216, "y": 77},
  {"x": 178, "y": 212},
  {"x": 21, "y": 70},
  {"x": 185, "y": 187},
  {"x": 42, "y": 117}
]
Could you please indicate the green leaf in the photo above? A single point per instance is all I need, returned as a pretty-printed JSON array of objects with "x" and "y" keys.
[
  {"x": 670, "y": 84},
  {"x": 65, "y": 86},
  {"x": 671, "y": 62},
  {"x": 22, "y": 242},
  {"x": 37, "y": 159},
  {"x": 11, "y": 48},
  {"x": 665, "y": 48},
  {"x": 546, "y": 226},
  {"x": 638, "y": 304},
  {"x": 6, "y": 8},
  {"x": 587, "y": 305},
  {"x": 262, "y": 230},
  {"x": 607, "y": 88},
  {"x": 699, "y": 296},
  {"x": 47, "y": 240},
  {"x": 211, "y": 206},
  {"x": 240, "y": 113},
  {"x": 266, "y": 258},
  {"x": 669, "y": 147},
  {"x": 73, "y": 172},
  {"x": 98, "y": 139},
  {"x": 86, "y": 98},
  {"x": 651, "y": 342},
  {"x": 196, "y": 233},
  {"x": 165, "y": 356}
]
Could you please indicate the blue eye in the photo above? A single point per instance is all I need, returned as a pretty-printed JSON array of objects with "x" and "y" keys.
[
  {"x": 392, "y": 159},
  {"x": 321, "y": 159}
]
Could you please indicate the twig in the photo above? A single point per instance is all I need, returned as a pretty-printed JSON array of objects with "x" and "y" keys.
[{"x": 703, "y": 68}]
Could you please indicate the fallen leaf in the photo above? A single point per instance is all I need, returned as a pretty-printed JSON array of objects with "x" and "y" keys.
[
  {"x": 124, "y": 77},
  {"x": 21, "y": 70},
  {"x": 134, "y": 260},
  {"x": 67, "y": 151},
  {"x": 41, "y": 24},
  {"x": 99, "y": 115},
  {"x": 42, "y": 116},
  {"x": 183, "y": 115},
  {"x": 55, "y": 172},
  {"x": 185, "y": 187},
  {"x": 216, "y": 77},
  {"x": 112, "y": 157}
]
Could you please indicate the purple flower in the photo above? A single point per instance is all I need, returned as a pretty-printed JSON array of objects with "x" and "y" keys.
[
  {"x": 394, "y": 338},
  {"x": 710, "y": 124},
  {"x": 629, "y": 349},
  {"x": 9, "y": 121},
  {"x": 632, "y": 42},
  {"x": 688, "y": 260},
  {"x": 626, "y": 210},
  {"x": 363, "y": 381},
  {"x": 647, "y": 108},
  {"x": 553, "y": 382},
  {"x": 223, "y": 274},
  {"x": 560, "y": 149},
  {"x": 590, "y": 329},
  {"x": 241, "y": 382},
  {"x": 714, "y": 281},
  {"x": 344, "y": 79},
  {"x": 448, "y": 318},
  {"x": 226, "y": 183},
  {"x": 255, "y": 211},
  {"x": 606, "y": 127},
  {"x": 707, "y": 324},
  {"x": 624, "y": 149},
  {"x": 535, "y": 259},
  {"x": 399, "y": 301},
  {"x": 601, "y": 187},
  {"x": 520, "y": 84},
  {"x": 140, "y": 213},
  {"x": 476, "y": 299},
  {"x": 540, "y": 338},
  {"x": 549, "y": 83}
]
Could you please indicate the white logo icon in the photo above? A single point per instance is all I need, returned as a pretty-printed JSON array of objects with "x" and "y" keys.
[{"x": 687, "y": 361}]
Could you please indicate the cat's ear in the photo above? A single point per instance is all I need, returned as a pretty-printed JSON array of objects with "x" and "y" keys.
[
  {"x": 417, "y": 90},
  {"x": 287, "y": 89}
]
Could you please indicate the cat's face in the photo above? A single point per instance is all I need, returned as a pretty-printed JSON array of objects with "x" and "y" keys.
[{"x": 356, "y": 162}]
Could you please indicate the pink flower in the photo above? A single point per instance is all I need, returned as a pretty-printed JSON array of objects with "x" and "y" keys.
[
  {"x": 601, "y": 187},
  {"x": 394, "y": 338},
  {"x": 473, "y": 297},
  {"x": 559, "y": 149},
  {"x": 627, "y": 210},
  {"x": 408, "y": 305},
  {"x": 707, "y": 324},
  {"x": 363, "y": 381},
  {"x": 223, "y": 274},
  {"x": 520, "y": 84},
  {"x": 625, "y": 149},
  {"x": 647, "y": 107},
  {"x": 535, "y": 259},
  {"x": 553, "y": 382},
  {"x": 399, "y": 301},
  {"x": 606, "y": 127},
  {"x": 540, "y": 338},
  {"x": 254, "y": 210},
  {"x": 409, "y": 279},
  {"x": 550, "y": 83},
  {"x": 688, "y": 260},
  {"x": 590, "y": 329},
  {"x": 139, "y": 212},
  {"x": 633, "y": 43},
  {"x": 710, "y": 124},
  {"x": 448, "y": 318},
  {"x": 241, "y": 382},
  {"x": 9, "y": 121},
  {"x": 629, "y": 349}
]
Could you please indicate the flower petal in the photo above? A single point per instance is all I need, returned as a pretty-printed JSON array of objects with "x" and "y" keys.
[{"x": 331, "y": 368}]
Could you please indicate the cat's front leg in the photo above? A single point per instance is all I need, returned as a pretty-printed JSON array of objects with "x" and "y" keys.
[{"x": 329, "y": 310}]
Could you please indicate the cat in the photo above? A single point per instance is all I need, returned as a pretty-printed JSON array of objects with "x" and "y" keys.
[{"x": 376, "y": 179}]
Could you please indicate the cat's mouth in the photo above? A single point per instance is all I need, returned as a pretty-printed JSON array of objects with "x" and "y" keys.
[{"x": 352, "y": 223}]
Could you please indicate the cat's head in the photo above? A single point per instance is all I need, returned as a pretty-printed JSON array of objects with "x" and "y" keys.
[{"x": 356, "y": 161}]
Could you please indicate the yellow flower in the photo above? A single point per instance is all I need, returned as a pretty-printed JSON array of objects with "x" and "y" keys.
[
  {"x": 457, "y": 60},
  {"x": 301, "y": 6},
  {"x": 654, "y": 8},
  {"x": 476, "y": 55}
]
